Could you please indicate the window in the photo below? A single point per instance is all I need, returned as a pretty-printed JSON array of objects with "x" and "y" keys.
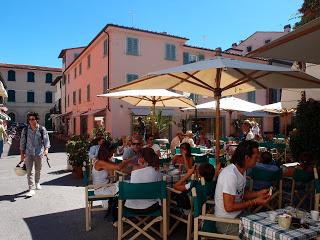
[
  {"x": 105, "y": 84},
  {"x": 185, "y": 58},
  {"x": 79, "y": 95},
  {"x": 48, "y": 78},
  {"x": 105, "y": 47},
  {"x": 88, "y": 93},
  {"x": 89, "y": 61},
  {"x": 193, "y": 58},
  {"x": 30, "y": 96},
  {"x": 11, "y": 75},
  {"x": 68, "y": 100},
  {"x": 131, "y": 77},
  {"x": 30, "y": 77},
  {"x": 74, "y": 97},
  {"x": 170, "y": 52},
  {"x": 75, "y": 72},
  {"x": 68, "y": 78},
  {"x": 48, "y": 97},
  {"x": 251, "y": 96},
  {"x": 132, "y": 46},
  {"x": 194, "y": 97},
  {"x": 267, "y": 41},
  {"x": 80, "y": 68},
  {"x": 249, "y": 48},
  {"x": 201, "y": 57},
  {"x": 11, "y": 95},
  {"x": 274, "y": 95}
]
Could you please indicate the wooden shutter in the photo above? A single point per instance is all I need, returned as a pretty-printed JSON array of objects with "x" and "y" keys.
[
  {"x": 185, "y": 58},
  {"x": 201, "y": 57}
]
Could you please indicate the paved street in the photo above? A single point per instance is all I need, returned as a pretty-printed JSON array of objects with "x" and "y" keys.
[{"x": 55, "y": 212}]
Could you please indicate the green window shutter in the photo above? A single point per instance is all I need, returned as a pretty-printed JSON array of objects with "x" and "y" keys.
[
  {"x": 251, "y": 96},
  {"x": 173, "y": 52},
  {"x": 80, "y": 68},
  {"x": 75, "y": 72},
  {"x": 105, "y": 47},
  {"x": 201, "y": 57},
  {"x": 170, "y": 52},
  {"x": 105, "y": 84},
  {"x": 49, "y": 78},
  {"x": 30, "y": 96},
  {"x": 185, "y": 58},
  {"x": 135, "y": 46},
  {"x": 48, "y": 97},
  {"x": 132, "y": 46},
  {"x": 11, "y": 75},
  {"x": 30, "y": 76},
  {"x": 68, "y": 100},
  {"x": 74, "y": 97},
  {"x": 131, "y": 77},
  {"x": 88, "y": 93},
  {"x": 79, "y": 95},
  {"x": 167, "y": 52},
  {"x": 11, "y": 95}
]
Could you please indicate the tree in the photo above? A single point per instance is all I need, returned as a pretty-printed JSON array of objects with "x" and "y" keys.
[{"x": 309, "y": 10}]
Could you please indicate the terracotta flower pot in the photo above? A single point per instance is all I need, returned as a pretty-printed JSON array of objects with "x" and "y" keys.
[{"x": 77, "y": 172}]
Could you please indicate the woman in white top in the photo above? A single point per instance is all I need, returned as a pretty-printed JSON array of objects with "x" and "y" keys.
[
  {"x": 189, "y": 139},
  {"x": 150, "y": 144},
  {"x": 100, "y": 170},
  {"x": 145, "y": 172}
]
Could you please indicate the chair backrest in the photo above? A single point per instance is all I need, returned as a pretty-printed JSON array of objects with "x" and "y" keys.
[
  {"x": 154, "y": 190},
  {"x": 178, "y": 150},
  {"x": 259, "y": 174},
  {"x": 316, "y": 180},
  {"x": 195, "y": 150},
  {"x": 302, "y": 176}
]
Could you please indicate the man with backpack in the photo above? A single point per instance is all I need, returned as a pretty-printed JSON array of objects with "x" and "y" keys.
[{"x": 34, "y": 143}]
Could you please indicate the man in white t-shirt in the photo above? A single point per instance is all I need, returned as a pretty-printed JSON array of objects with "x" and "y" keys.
[
  {"x": 189, "y": 139},
  {"x": 246, "y": 129},
  {"x": 231, "y": 198},
  {"x": 176, "y": 141}
]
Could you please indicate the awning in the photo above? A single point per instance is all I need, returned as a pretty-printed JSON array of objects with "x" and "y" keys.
[
  {"x": 78, "y": 114},
  {"x": 93, "y": 112},
  {"x": 4, "y": 116},
  {"x": 255, "y": 114},
  {"x": 147, "y": 111}
]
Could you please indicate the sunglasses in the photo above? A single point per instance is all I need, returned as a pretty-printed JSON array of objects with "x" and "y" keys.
[
  {"x": 135, "y": 143},
  {"x": 32, "y": 119}
]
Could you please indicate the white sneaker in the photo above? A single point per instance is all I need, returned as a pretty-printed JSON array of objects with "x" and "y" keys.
[
  {"x": 38, "y": 186},
  {"x": 30, "y": 193}
]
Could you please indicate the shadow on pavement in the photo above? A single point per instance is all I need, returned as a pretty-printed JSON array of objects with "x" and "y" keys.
[
  {"x": 59, "y": 172},
  {"x": 69, "y": 225},
  {"x": 66, "y": 180},
  {"x": 12, "y": 198}
]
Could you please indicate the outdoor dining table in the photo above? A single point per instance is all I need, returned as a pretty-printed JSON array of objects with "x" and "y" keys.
[
  {"x": 293, "y": 164},
  {"x": 259, "y": 226}
]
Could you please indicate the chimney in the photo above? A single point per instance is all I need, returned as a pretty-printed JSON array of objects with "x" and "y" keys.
[
  {"x": 287, "y": 28},
  {"x": 234, "y": 45}
]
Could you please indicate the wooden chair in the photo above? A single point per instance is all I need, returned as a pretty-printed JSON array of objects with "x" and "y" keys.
[
  {"x": 185, "y": 216},
  {"x": 317, "y": 190},
  {"x": 301, "y": 187},
  {"x": 202, "y": 217},
  {"x": 155, "y": 190},
  {"x": 275, "y": 179},
  {"x": 91, "y": 197}
]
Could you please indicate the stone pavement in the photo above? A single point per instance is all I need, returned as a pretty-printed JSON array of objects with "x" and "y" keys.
[{"x": 55, "y": 212}]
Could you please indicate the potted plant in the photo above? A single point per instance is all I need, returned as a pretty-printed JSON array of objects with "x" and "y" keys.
[{"x": 77, "y": 150}]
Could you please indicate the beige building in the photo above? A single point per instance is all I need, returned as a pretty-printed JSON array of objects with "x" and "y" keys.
[{"x": 29, "y": 89}]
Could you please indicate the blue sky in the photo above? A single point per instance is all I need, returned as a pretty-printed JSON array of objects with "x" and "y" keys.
[{"x": 34, "y": 31}]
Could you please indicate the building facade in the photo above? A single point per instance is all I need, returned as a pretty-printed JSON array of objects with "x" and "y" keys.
[
  {"x": 118, "y": 55},
  {"x": 29, "y": 89}
]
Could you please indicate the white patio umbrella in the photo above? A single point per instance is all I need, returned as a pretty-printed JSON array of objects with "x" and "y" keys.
[
  {"x": 223, "y": 77},
  {"x": 151, "y": 98},
  {"x": 229, "y": 104}
]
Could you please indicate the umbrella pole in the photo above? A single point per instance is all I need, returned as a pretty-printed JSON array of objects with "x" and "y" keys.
[
  {"x": 230, "y": 119},
  {"x": 217, "y": 96},
  {"x": 285, "y": 124},
  {"x": 153, "y": 117}
]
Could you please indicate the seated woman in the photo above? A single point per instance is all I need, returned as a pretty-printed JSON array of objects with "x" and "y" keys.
[
  {"x": 265, "y": 163},
  {"x": 185, "y": 160},
  {"x": 231, "y": 198},
  {"x": 150, "y": 144},
  {"x": 145, "y": 172},
  {"x": 203, "y": 140},
  {"x": 304, "y": 169},
  {"x": 100, "y": 171},
  {"x": 205, "y": 170},
  {"x": 124, "y": 143}
]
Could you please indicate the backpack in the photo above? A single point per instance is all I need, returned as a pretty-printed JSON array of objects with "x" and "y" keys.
[{"x": 41, "y": 129}]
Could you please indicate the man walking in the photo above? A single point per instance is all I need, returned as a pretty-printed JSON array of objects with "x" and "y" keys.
[{"x": 34, "y": 143}]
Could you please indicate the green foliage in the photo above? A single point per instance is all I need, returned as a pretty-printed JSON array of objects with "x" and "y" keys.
[
  {"x": 307, "y": 136},
  {"x": 102, "y": 130},
  {"x": 77, "y": 150},
  {"x": 309, "y": 10},
  {"x": 162, "y": 123}
]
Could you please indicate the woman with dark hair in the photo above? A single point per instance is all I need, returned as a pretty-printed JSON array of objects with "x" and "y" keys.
[
  {"x": 185, "y": 159},
  {"x": 101, "y": 168},
  {"x": 145, "y": 172},
  {"x": 231, "y": 198}
]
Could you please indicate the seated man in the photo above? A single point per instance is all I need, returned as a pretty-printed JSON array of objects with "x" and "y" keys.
[
  {"x": 94, "y": 149},
  {"x": 266, "y": 163},
  {"x": 176, "y": 141},
  {"x": 150, "y": 144},
  {"x": 231, "y": 198},
  {"x": 133, "y": 153}
]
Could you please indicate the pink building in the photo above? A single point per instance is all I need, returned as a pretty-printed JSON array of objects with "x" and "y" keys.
[{"x": 115, "y": 56}]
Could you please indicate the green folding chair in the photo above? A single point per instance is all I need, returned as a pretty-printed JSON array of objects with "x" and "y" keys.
[
  {"x": 317, "y": 189},
  {"x": 205, "y": 219},
  {"x": 195, "y": 150},
  {"x": 275, "y": 180},
  {"x": 144, "y": 222}
]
